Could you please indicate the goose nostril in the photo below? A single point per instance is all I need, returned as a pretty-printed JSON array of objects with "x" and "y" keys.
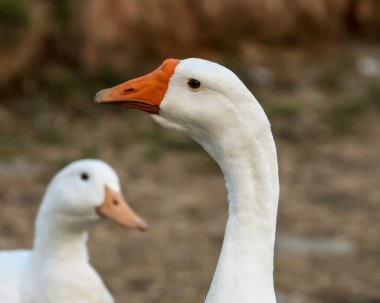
[
  {"x": 115, "y": 202},
  {"x": 129, "y": 90}
]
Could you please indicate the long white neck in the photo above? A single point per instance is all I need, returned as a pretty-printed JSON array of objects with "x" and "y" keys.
[
  {"x": 59, "y": 269},
  {"x": 59, "y": 239},
  {"x": 248, "y": 159}
]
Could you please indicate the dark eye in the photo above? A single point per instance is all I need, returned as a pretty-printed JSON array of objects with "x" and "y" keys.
[
  {"x": 84, "y": 176},
  {"x": 193, "y": 84}
]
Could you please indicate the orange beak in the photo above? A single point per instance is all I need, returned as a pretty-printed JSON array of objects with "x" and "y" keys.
[
  {"x": 143, "y": 93},
  {"x": 115, "y": 208}
]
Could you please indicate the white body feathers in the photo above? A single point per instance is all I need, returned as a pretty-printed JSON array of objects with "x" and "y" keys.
[{"x": 57, "y": 270}]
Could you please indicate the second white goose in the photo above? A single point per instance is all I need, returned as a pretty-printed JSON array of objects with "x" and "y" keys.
[{"x": 57, "y": 270}]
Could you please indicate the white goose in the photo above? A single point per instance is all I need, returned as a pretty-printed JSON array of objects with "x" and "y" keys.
[
  {"x": 57, "y": 270},
  {"x": 210, "y": 104}
]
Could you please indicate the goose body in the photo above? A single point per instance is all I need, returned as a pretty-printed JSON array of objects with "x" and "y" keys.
[
  {"x": 57, "y": 269},
  {"x": 12, "y": 267},
  {"x": 209, "y": 103}
]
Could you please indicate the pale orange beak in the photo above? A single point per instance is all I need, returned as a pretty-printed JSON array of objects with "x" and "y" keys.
[
  {"x": 143, "y": 93},
  {"x": 115, "y": 208}
]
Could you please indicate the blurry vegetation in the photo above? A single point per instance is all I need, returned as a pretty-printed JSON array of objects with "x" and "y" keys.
[
  {"x": 372, "y": 94},
  {"x": 13, "y": 14},
  {"x": 50, "y": 136},
  {"x": 331, "y": 78},
  {"x": 60, "y": 84},
  {"x": 89, "y": 152},
  {"x": 285, "y": 121},
  {"x": 160, "y": 140},
  {"x": 9, "y": 140},
  {"x": 14, "y": 17},
  {"x": 88, "y": 35},
  {"x": 67, "y": 38},
  {"x": 283, "y": 112},
  {"x": 104, "y": 76},
  {"x": 343, "y": 115},
  {"x": 64, "y": 12},
  {"x": 57, "y": 86},
  {"x": 87, "y": 46},
  {"x": 65, "y": 85}
]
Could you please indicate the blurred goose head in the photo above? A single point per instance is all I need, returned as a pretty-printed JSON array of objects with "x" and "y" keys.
[{"x": 86, "y": 191}]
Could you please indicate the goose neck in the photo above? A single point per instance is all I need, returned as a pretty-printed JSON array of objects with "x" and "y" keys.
[
  {"x": 245, "y": 268},
  {"x": 60, "y": 237}
]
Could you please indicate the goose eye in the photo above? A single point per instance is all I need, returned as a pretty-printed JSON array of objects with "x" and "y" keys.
[
  {"x": 84, "y": 176},
  {"x": 194, "y": 84}
]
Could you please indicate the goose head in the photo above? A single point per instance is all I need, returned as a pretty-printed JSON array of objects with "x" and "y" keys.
[
  {"x": 199, "y": 97},
  {"x": 86, "y": 191}
]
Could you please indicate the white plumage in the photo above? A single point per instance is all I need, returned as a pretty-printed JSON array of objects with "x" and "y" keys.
[
  {"x": 210, "y": 104},
  {"x": 57, "y": 269}
]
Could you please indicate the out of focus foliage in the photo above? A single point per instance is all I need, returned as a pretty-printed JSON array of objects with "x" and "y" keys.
[
  {"x": 61, "y": 52},
  {"x": 85, "y": 36},
  {"x": 14, "y": 17}
]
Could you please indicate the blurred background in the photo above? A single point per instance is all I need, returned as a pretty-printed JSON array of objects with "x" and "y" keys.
[{"x": 314, "y": 66}]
